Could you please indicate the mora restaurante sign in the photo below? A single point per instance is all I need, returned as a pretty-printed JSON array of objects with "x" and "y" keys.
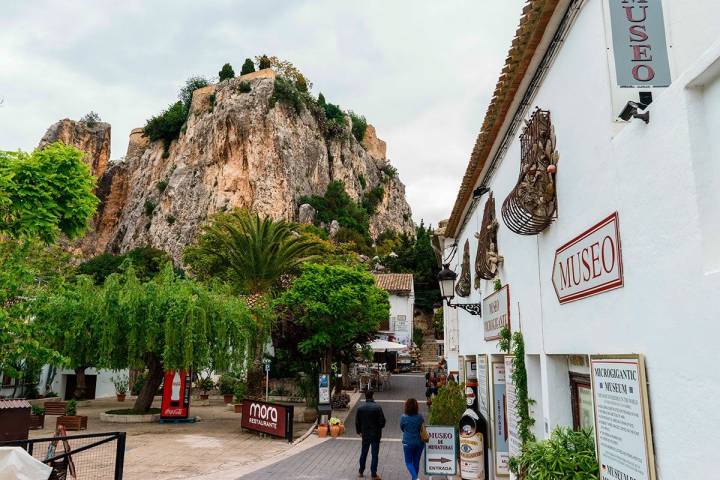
[
  {"x": 272, "y": 418},
  {"x": 590, "y": 263}
]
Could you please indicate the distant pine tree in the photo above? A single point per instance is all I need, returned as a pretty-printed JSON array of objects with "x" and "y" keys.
[
  {"x": 264, "y": 63},
  {"x": 226, "y": 72},
  {"x": 248, "y": 67},
  {"x": 321, "y": 100},
  {"x": 301, "y": 84}
]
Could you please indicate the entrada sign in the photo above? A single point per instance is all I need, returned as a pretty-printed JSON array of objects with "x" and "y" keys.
[
  {"x": 271, "y": 418},
  {"x": 590, "y": 263},
  {"x": 441, "y": 450}
]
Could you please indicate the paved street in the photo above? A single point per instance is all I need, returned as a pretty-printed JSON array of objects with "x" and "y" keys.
[{"x": 337, "y": 459}]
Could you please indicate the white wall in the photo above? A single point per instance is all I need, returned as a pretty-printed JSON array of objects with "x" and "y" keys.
[
  {"x": 663, "y": 179},
  {"x": 402, "y": 305}
]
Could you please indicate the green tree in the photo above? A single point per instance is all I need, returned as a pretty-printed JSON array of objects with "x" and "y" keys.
[
  {"x": 448, "y": 406},
  {"x": 147, "y": 261},
  {"x": 45, "y": 193},
  {"x": 167, "y": 125},
  {"x": 226, "y": 72},
  {"x": 69, "y": 320},
  {"x": 248, "y": 67},
  {"x": 191, "y": 84},
  {"x": 251, "y": 252},
  {"x": 263, "y": 62},
  {"x": 170, "y": 323},
  {"x": 328, "y": 311}
]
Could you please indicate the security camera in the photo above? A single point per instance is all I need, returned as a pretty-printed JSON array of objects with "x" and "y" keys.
[{"x": 631, "y": 111}]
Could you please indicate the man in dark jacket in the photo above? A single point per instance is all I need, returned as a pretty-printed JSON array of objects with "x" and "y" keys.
[{"x": 369, "y": 422}]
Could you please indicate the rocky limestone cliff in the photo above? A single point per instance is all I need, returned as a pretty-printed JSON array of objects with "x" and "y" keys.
[
  {"x": 94, "y": 139},
  {"x": 235, "y": 151}
]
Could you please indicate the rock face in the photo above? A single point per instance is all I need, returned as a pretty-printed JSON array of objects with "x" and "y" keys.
[
  {"x": 94, "y": 139},
  {"x": 236, "y": 151}
]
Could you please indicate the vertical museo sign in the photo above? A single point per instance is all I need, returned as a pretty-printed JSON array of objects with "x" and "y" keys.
[
  {"x": 500, "y": 426},
  {"x": 622, "y": 421},
  {"x": 483, "y": 391},
  {"x": 639, "y": 43}
]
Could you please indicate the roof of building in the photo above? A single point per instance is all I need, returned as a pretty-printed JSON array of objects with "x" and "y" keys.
[
  {"x": 401, "y": 283},
  {"x": 534, "y": 21},
  {"x": 7, "y": 404}
]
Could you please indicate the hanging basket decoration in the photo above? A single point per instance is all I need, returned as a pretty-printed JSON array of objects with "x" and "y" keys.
[
  {"x": 532, "y": 204},
  {"x": 487, "y": 259},
  {"x": 463, "y": 283}
]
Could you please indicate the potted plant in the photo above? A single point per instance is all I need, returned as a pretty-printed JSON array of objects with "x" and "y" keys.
[
  {"x": 121, "y": 387},
  {"x": 71, "y": 420},
  {"x": 336, "y": 427},
  {"x": 226, "y": 384},
  {"x": 322, "y": 430},
  {"x": 240, "y": 392},
  {"x": 37, "y": 417},
  {"x": 204, "y": 385}
]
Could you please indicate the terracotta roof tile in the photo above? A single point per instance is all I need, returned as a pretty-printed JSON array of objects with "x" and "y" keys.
[
  {"x": 5, "y": 404},
  {"x": 395, "y": 282}
]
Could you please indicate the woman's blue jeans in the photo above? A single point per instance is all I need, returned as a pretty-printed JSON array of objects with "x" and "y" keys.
[{"x": 413, "y": 453}]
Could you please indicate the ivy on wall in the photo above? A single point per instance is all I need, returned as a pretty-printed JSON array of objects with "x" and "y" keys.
[{"x": 514, "y": 344}]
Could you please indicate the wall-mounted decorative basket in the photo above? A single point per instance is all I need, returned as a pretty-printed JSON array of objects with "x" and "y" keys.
[
  {"x": 462, "y": 288},
  {"x": 487, "y": 259},
  {"x": 532, "y": 204}
]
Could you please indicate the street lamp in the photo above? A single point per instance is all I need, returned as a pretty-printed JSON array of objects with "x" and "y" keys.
[{"x": 447, "y": 278}]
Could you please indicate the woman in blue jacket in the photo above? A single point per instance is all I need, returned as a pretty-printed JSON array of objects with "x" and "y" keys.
[{"x": 413, "y": 446}]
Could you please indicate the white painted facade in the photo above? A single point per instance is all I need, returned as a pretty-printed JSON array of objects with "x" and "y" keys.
[
  {"x": 401, "y": 317},
  {"x": 663, "y": 179}
]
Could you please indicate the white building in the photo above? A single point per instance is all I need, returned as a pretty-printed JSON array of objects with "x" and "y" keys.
[
  {"x": 656, "y": 184},
  {"x": 400, "y": 287}
]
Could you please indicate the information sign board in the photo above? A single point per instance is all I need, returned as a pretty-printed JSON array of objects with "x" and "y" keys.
[
  {"x": 514, "y": 442},
  {"x": 496, "y": 313},
  {"x": 622, "y": 423},
  {"x": 500, "y": 427},
  {"x": 441, "y": 450}
]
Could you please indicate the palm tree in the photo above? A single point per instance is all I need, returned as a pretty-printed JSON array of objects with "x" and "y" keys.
[
  {"x": 254, "y": 254},
  {"x": 251, "y": 252}
]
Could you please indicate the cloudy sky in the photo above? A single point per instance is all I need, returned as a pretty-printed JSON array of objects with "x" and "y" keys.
[{"x": 421, "y": 71}]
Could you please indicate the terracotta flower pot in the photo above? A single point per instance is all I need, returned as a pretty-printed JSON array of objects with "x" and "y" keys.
[
  {"x": 334, "y": 431},
  {"x": 228, "y": 397},
  {"x": 120, "y": 397},
  {"x": 322, "y": 431},
  {"x": 238, "y": 407}
]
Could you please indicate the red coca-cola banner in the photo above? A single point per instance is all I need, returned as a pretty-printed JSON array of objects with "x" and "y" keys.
[
  {"x": 272, "y": 418},
  {"x": 176, "y": 394}
]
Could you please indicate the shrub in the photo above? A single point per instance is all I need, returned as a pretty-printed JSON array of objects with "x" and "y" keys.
[
  {"x": 149, "y": 207},
  {"x": 321, "y": 100},
  {"x": 285, "y": 92},
  {"x": 37, "y": 410},
  {"x": 71, "y": 408},
  {"x": 91, "y": 119},
  {"x": 566, "y": 455},
  {"x": 448, "y": 406},
  {"x": 170, "y": 219},
  {"x": 248, "y": 67},
  {"x": 167, "y": 125},
  {"x": 372, "y": 199},
  {"x": 227, "y": 384},
  {"x": 359, "y": 125},
  {"x": 301, "y": 84},
  {"x": 226, "y": 72},
  {"x": 335, "y": 119},
  {"x": 363, "y": 182},
  {"x": 244, "y": 87},
  {"x": 418, "y": 337},
  {"x": 191, "y": 84},
  {"x": 336, "y": 204},
  {"x": 204, "y": 384},
  {"x": 147, "y": 261},
  {"x": 240, "y": 391},
  {"x": 389, "y": 170},
  {"x": 264, "y": 62},
  {"x": 161, "y": 185}
]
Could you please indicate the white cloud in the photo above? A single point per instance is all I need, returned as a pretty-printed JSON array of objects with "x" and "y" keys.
[{"x": 422, "y": 72}]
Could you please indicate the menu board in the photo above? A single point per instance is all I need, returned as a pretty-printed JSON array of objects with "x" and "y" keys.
[
  {"x": 514, "y": 441},
  {"x": 500, "y": 427},
  {"x": 622, "y": 423}
]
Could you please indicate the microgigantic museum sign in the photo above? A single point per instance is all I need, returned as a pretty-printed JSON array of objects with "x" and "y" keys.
[
  {"x": 496, "y": 313},
  {"x": 622, "y": 417},
  {"x": 272, "y": 418},
  {"x": 590, "y": 263}
]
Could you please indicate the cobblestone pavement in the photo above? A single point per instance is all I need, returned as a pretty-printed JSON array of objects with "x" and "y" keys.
[{"x": 337, "y": 459}]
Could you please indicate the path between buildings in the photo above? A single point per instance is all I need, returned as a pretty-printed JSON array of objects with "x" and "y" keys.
[{"x": 337, "y": 459}]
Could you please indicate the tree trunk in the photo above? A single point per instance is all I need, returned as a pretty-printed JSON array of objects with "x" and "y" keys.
[
  {"x": 80, "y": 392},
  {"x": 152, "y": 383}
]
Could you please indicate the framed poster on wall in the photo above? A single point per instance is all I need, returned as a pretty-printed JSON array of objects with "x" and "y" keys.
[
  {"x": 622, "y": 417},
  {"x": 500, "y": 427},
  {"x": 483, "y": 391}
]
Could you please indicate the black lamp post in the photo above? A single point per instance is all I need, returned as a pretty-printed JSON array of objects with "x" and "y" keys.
[{"x": 447, "y": 278}]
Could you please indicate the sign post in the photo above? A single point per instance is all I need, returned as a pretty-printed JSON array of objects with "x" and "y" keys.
[
  {"x": 622, "y": 417},
  {"x": 266, "y": 364},
  {"x": 441, "y": 451}
]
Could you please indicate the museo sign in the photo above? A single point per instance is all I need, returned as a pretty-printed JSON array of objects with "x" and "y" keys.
[
  {"x": 496, "y": 313},
  {"x": 639, "y": 45},
  {"x": 590, "y": 263}
]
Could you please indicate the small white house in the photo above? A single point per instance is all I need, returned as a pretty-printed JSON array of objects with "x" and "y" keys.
[{"x": 399, "y": 326}]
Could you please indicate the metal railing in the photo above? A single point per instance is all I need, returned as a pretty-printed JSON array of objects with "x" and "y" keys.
[{"x": 92, "y": 456}]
